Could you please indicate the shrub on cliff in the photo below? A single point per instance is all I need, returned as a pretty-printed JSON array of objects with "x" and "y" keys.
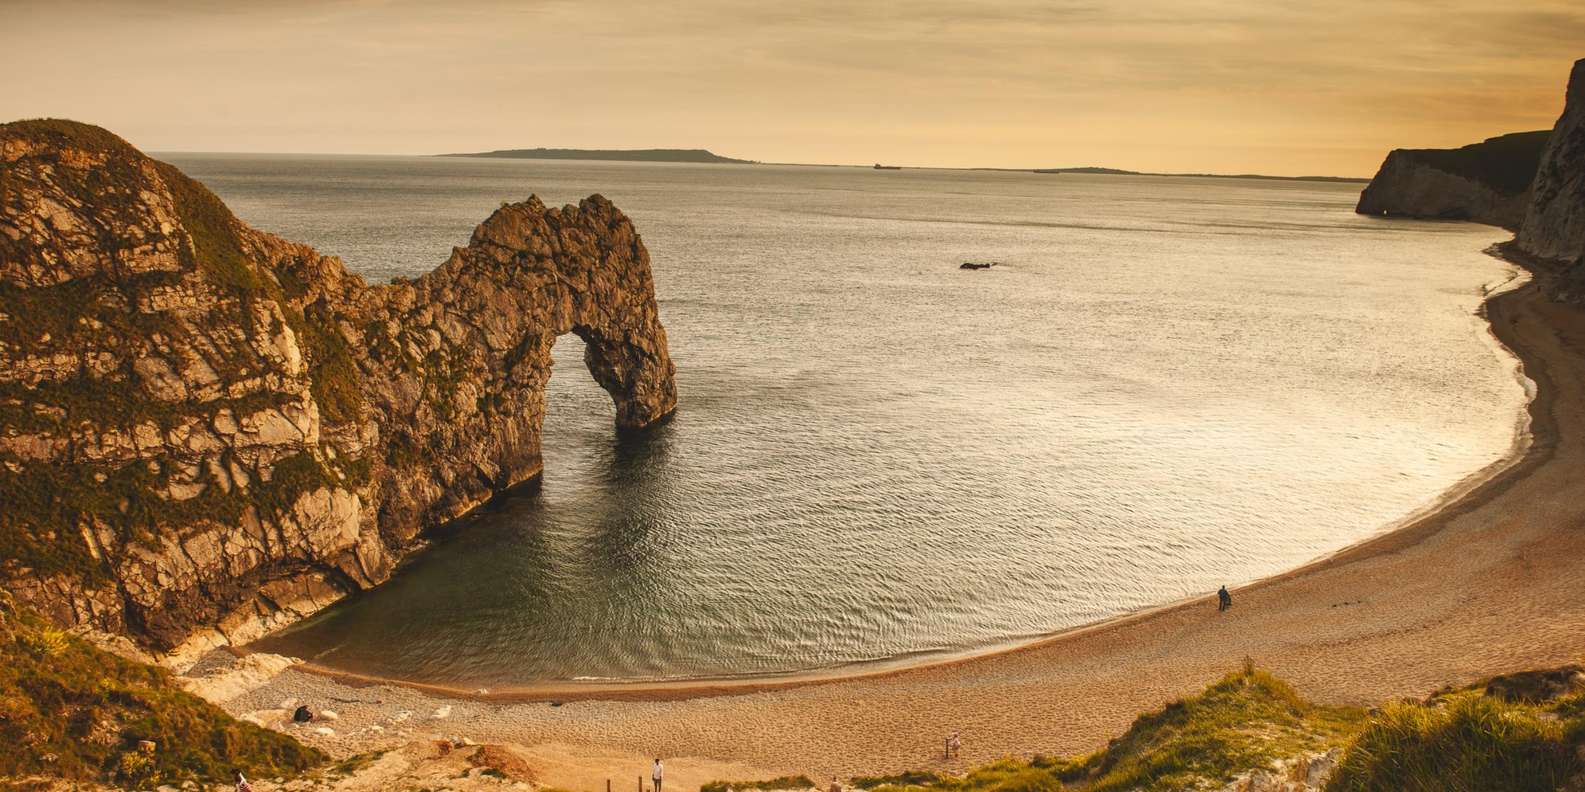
[
  {"x": 1244, "y": 722},
  {"x": 1468, "y": 741},
  {"x": 71, "y": 711}
]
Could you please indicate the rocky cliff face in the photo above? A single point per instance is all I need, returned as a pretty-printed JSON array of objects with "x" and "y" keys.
[
  {"x": 205, "y": 429},
  {"x": 1555, "y": 226},
  {"x": 1487, "y": 182}
]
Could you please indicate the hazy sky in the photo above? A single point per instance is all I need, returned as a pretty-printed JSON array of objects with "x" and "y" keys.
[{"x": 1181, "y": 85}]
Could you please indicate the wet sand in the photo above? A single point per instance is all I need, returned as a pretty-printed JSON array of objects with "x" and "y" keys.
[{"x": 1493, "y": 581}]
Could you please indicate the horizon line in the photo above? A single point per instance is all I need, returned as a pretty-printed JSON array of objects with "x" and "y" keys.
[{"x": 1096, "y": 170}]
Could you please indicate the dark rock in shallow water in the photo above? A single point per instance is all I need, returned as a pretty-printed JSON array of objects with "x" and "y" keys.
[
  {"x": 1487, "y": 182},
  {"x": 208, "y": 430}
]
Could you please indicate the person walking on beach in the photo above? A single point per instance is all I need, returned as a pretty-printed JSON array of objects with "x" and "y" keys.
[
  {"x": 656, "y": 773},
  {"x": 954, "y": 745},
  {"x": 1224, "y": 600}
]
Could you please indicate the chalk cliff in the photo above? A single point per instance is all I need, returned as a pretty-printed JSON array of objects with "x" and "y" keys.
[
  {"x": 1487, "y": 182},
  {"x": 206, "y": 429},
  {"x": 1555, "y": 226}
]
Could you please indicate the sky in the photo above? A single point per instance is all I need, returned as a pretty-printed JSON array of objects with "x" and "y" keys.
[{"x": 1223, "y": 86}]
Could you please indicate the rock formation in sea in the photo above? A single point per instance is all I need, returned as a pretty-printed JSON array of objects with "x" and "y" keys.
[
  {"x": 1487, "y": 182},
  {"x": 1555, "y": 226},
  {"x": 206, "y": 429}
]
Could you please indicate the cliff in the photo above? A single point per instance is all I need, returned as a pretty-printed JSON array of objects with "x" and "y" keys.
[
  {"x": 206, "y": 430},
  {"x": 1487, "y": 182},
  {"x": 1555, "y": 226}
]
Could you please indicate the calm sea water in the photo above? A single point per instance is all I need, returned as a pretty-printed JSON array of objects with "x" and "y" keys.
[{"x": 1168, "y": 384}]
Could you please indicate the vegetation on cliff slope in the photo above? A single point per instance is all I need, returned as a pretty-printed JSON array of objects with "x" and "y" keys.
[
  {"x": 74, "y": 712},
  {"x": 1469, "y": 740},
  {"x": 1506, "y": 163},
  {"x": 1509, "y": 734},
  {"x": 43, "y": 527}
]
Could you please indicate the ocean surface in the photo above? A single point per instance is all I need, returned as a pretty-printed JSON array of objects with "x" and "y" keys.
[{"x": 1167, "y": 384}]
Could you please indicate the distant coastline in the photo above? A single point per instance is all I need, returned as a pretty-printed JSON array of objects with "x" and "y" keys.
[
  {"x": 1088, "y": 171},
  {"x": 707, "y": 157},
  {"x": 613, "y": 155},
  {"x": 1119, "y": 172}
]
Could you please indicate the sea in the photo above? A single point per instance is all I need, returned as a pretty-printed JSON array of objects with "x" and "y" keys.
[{"x": 1164, "y": 385}]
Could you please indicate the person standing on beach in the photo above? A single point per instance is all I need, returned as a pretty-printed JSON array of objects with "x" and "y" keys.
[
  {"x": 656, "y": 773},
  {"x": 1224, "y": 600},
  {"x": 954, "y": 746}
]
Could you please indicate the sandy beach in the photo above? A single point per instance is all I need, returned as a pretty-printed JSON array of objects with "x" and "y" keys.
[{"x": 1488, "y": 583}]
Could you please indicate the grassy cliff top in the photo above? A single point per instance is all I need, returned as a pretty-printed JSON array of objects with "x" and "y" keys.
[
  {"x": 71, "y": 711},
  {"x": 63, "y": 133},
  {"x": 1521, "y": 733},
  {"x": 1507, "y": 162}
]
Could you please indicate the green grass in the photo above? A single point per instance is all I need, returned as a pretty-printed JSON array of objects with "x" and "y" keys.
[
  {"x": 61, "y": 132},
  {"x": 1522, "y": 736},
  {"x": 337, "y": 383},
  {"x": 45, "y": 502},
  {"x": 910, "y": 778},
  {"x": 1006, "y": 775},
  {"x": 353, "y": 764},
  {"x": 71, "y": 711},
  {"x": 1242, "y": 722},
  {"x": 1464, "y": 742},
  {"x": 784, "y": 782}
]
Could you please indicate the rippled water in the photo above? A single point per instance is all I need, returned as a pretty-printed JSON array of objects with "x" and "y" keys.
[{"x": 1167, "y": 385}]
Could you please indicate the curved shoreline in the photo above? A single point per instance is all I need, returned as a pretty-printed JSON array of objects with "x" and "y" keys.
[
  {"x": 1524, "y": 453},
  {"x": 1486, "y": 584}
]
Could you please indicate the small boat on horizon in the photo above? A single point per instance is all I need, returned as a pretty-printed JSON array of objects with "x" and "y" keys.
[{"x": 879, "y": 166}]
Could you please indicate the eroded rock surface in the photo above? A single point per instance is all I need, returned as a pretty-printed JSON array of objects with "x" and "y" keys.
[
  {"x": 206, "y": 430},
  {"x": 1555, "y": 226}
]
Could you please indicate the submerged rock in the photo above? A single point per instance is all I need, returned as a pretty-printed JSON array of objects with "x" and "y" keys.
[{"x": 207, "y": 431}]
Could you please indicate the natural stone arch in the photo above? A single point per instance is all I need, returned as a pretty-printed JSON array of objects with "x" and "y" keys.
[
  {"x": 249, "y": 430},
  {"x": 528, "y": 275}
]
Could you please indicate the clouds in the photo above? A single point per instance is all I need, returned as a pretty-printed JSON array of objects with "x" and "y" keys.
[{"x": 1281, "y": 87}]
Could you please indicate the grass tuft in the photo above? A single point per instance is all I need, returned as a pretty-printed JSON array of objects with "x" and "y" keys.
[
  {"x": 1465, "y": 742},
  {"x": 1244, "y": 722},
  {"x": 784, "y": 782}
]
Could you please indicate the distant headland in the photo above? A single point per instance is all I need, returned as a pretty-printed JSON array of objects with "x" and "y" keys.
[{"x": 618, "y": 155}]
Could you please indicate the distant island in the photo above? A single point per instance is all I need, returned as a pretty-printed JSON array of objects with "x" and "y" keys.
[
  {"x": 618, "y": 155},
  {"x": 707, "y": 156}
]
